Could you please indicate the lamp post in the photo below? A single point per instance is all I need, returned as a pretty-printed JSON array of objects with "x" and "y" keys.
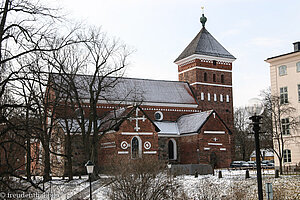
[
  {"x": 255, "y": 109},
  {"x": 90, "y": 168}
]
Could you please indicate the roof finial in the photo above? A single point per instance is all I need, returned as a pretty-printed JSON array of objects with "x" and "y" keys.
[{"x": 203, "y": 19}]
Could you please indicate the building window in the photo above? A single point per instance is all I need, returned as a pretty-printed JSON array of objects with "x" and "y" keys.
[
  {"x": 222, "y": 78},
  {"x": 214, "y": 62},
  {"x": 298, "y": 66},
  {"x": 202, "y": 96},
  {"x": 205, "y": 76},
  {"x": 285, "y": 126},
  {"x": 208, "y": 96},
  {"x": 287, "y": 155},
  {"x": 283, "y": 95},
  {"x": 299, "y": 92},
  {"x": 282, "y": 70},
  {"x": 214, "y": 77},
  {"x": 215, "y": 97},
  {"x": 158, "y": 115},
  {"x": 172, "y": 149},
  {"x": 221, "y": 97},
  {"x": 227, "y": 98},
  {"x": 136, "y": 147}
]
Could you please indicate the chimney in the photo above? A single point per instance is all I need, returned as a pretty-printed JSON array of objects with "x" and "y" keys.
[{"x": 296, "y": 46}]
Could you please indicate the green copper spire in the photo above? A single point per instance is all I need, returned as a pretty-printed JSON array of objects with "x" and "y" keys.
[{"x": 203, "y": 19}]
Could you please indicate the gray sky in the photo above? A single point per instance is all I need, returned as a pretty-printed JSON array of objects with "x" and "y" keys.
[{"x": 159, "y": 30}]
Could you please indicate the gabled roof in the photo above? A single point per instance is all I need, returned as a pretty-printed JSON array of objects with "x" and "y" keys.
[
  {"x": 193, "y": 122},
  {"x": 187, "y": 124},
  {"x": 205, "y": 44},
  {"x": 130, "y": 89}
]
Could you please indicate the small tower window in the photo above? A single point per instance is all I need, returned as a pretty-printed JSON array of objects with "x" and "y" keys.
[
  {"x": 202, "y": 96},
  {"x": 227, "y": 98},
  {"x": 222, "y": 78},
  {"x": 215, "y": 97},
  {"x": 214, "y": 62},
  {"x": 214, "y": 77},
  {"x": 205, "y": 76},
  {"x": 208, "y": 96},
  {"x": 221, "y": 97}
]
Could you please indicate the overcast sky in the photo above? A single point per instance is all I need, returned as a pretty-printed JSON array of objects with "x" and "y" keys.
[{"x": 159, "y": 30}]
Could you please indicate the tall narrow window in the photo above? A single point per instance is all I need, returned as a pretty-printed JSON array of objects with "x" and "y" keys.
[
  {"x": 299, "y": 92},
  {"x": 282, "y": 70},
  {"x": 215, "y": 97},
  {"x": 227, "y": 98},
  {"x": 298, "y": 66},
  {"x": 205, "y": 76},
  {"x": 222, "y": 78},
  {"x": 221, "y": 97},
  {"x": 136, "y": 147},
  {"x": 283, "y": 95},
  {"x": 172, "y": 149},
  {"x": 285, "y": 126},
  {"x": 214, "y": 77},
  {"x": 208, "y": 96},
  {"x": 287, "y": 155},
  {"x": 202, "y": 96}
]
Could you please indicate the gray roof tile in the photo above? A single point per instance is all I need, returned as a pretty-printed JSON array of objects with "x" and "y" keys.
[
  {"x": 133, "y": 89},
  {"x": 205, "y": 44}
]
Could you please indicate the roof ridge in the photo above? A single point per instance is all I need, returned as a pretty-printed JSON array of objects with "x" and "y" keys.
[{"x": 132, "y": 78}]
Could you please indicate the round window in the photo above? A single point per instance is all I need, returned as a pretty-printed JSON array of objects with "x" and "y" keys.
[{"x": 158, "y": 116}]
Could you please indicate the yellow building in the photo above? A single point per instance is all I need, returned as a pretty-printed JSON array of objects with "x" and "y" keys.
[{"x": 285, "y": 82}]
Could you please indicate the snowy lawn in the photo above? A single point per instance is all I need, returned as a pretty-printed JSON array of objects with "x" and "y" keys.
[{"x": 232, "y": 185}]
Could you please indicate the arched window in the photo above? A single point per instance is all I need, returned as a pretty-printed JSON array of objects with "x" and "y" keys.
[
  {"x": 136, "y": 147},
  {"x": 205, "y": 76},
  {"x": 214, "y": 77},
  {"x": 222, "y": 78},
  {"x": 172, "y": 149}
]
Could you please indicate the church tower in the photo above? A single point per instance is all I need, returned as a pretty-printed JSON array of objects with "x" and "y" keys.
[{"x": 207, "y": 66}]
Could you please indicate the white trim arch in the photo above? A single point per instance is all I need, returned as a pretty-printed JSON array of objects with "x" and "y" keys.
[
  {"x": 136, "y": 147},
  {"x": 172, "y": 156}
]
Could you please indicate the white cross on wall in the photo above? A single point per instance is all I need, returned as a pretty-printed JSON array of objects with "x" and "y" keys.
[
  {"x": 137, "y": 118},
  {"x": 215, "y": 139}
]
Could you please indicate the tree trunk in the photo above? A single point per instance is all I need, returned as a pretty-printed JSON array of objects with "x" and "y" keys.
[
  {"x": 28, "y": 159},
  {"x": 69, "y": 157},
  {"x": 280, "y": 166},
  {"x": 47, "y": 162}
]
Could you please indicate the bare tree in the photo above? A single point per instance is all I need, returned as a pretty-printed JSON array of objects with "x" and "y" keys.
[
  {"x": 283, "y": 118},
  {"x": 243, "y": 139},
  {"x": 103, "y": 61}
]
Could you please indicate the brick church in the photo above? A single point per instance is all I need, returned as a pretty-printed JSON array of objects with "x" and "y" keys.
[{"x": 181, "y": 122}]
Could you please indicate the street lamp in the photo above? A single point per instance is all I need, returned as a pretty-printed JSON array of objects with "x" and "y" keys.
[
  {"x": 90, "y": 168},
  {"x": 255, "y": 109}
]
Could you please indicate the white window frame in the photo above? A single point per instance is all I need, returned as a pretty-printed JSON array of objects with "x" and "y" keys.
[
  {"x": 227, "y": 98},
  {"x": 298, "y": 66},
  {"x": 283, "y": 95},
  {"x": 282, "y": 70},
  {"x": 287, "y": 156},
  {"x": 215, "y": 97},
  {"x": 285, "y": 126},
  {"x": 174, "y": 149},
  {"x": 208, "y": 96},
  {"x": 221, "y": 97},
  {"x": 139, "y": 147}
]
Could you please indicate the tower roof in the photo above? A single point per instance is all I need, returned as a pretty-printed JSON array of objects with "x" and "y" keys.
[{"x": 205, "y": 44}]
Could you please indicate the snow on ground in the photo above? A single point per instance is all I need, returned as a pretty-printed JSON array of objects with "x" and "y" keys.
[{"x": 232, "y": 185}]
